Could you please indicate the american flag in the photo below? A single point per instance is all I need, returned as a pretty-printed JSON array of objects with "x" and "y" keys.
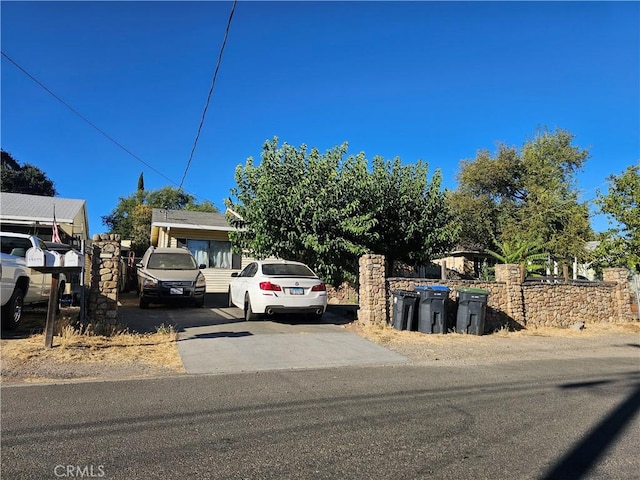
[{"x": 55, "y": 237}]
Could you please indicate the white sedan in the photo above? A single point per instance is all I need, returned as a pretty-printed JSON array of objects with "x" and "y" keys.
[{"x": 277, "y": 286}]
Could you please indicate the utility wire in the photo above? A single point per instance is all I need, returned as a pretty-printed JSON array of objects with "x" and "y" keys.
[
  {"x": 213, "y": 82},
  {"x": 85, "y": 119}
]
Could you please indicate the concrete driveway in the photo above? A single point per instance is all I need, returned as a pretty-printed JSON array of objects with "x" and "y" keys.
[{"x": 217, "y": 339}]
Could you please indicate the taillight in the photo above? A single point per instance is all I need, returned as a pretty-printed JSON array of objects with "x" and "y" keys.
[
  {"x": 270, "y": 286},
  {"x": 321, "y": 287}
]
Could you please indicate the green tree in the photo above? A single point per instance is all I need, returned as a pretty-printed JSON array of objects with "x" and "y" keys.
[
  {"x": 140, "y": 227},
  {"x": 131, "y": 218},
  {"x": 525, "y": 195},
  {"x": 414, "y": 221},
  {"x": 327, "y": 209},
  {"x": 524, "y": 253},
  {"x": 620, "y": 245},
  {"x": 27, "y": 178}
]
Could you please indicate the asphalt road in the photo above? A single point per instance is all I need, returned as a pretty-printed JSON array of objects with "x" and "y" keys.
[{"x": 528, "y": 420}]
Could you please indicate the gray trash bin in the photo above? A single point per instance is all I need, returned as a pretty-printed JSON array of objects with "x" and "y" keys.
[
  {"x": 472, "y": 310},
  {"x": 432, "y": 312},
  {"x": 404, "y": 309}
]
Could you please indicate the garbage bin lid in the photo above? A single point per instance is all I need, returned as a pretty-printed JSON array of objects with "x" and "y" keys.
[
  {"x": 473, "y": 290},
  {"x": 440, "y": 288},
  {"x": 404, "y": 293}
]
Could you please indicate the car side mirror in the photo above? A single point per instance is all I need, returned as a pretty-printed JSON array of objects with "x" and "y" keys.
[
  {"x": 234, "y": 274},
  {"x": 139, "y": 264},
  {"x": 201, "y": 266}
]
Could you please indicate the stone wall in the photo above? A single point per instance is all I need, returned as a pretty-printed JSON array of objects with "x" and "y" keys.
[
  {"x": 511, "y": 302},
  {"x": 345, "y": 294},
  {"x": 373, "y": 293},
  {"x": 623, "y": 299},
  {"x": 103, "y": 287},
  {"x": 563, "y": 305}
]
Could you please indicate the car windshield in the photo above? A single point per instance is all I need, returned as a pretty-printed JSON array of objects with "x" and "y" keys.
[
  {"x": 285, "y": 269},
  {"x": 172, "y": 261}
]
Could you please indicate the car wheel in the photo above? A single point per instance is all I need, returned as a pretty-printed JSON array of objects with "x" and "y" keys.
[
  {"x": 144, "y": 303},
  {"x": 12, "y": 311},
  {"x": 199, "y": 303},
  {"x": 248, "y": 312}
]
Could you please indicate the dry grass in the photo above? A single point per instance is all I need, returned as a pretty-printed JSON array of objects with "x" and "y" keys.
[
  {"x": 591, "y": 329},
  {"x": 81, "y": 354},
  {"x": 157, "y": 349},
  {"x": 507, "y": 346},
  {"x": 386, "y": 335}
]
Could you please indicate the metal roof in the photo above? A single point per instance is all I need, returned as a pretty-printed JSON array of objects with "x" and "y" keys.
[
  {"x": 188, "y": 219},
  {"x": 20, "y": 206}
]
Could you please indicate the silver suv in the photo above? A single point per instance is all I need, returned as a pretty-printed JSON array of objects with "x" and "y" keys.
[{"x": 170, "y": 275}]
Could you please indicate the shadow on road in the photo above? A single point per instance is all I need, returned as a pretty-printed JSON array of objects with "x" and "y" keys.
[
  {"x": 221, "y": 335},
  {"x": 577, "y": 463}
]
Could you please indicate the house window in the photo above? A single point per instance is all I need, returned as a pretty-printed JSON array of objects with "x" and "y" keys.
[{"x": 212, "y": 253}]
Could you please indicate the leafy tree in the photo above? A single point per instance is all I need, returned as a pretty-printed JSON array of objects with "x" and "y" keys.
[
  {"x": 524, "y": 253},
  {"x": 414, "y": 222},
  {"x": 132, "y": 216},
  {"x": 141, "y": 182},
  {"x": 328, "y": 209},
  {"x": 27, "y": 178},
  {"x": 620, "y": 245},
  {"x": 141, "y": 226},
  {"x": 525, "y": 195}
]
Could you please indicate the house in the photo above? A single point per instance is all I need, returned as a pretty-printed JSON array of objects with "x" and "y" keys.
[
  {"x": 467, "y": 262},
  {"x": 206, "y": 234},
  {"x": 33, "y": 214}
]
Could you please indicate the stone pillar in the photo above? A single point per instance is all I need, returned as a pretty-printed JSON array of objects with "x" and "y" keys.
[
  {"x": 621, "y": 293},
  {"x": 512, "y": 276},
  {"x": 103, "y": 290},
  {"x": 373, "y": 292}
]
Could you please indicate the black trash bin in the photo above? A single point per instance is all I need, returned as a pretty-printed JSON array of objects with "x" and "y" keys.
[
  {"x": 404, "y": 309},
  {"x": 472, "y": 310},
  {"x": 432, "y": 312}
]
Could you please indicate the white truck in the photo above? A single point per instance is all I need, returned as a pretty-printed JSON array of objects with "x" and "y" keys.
[{"x": 19, "y": 284}]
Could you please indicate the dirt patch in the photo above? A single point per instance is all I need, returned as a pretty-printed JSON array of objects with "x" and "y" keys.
[{"x": 504, "y": 346}]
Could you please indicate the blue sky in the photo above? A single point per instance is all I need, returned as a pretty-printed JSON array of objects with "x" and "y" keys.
[{"x": 435, "y": 81}]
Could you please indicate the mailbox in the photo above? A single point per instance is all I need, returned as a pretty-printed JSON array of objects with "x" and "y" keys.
[
  {"x": 36, "y": 257},
  {"x": 73, "y": 259}
]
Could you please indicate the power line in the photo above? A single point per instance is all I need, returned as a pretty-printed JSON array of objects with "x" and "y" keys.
[
  {"x": 84, "y": 118},
  {"x": 213, "y": 82},
  {"x": 89, "y": 122}
]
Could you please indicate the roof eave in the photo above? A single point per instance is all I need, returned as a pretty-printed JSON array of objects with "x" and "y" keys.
[{"x": 218, "y": 228}]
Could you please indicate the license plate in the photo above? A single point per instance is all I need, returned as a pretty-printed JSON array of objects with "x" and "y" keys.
[
  {"x": 175, "y": 291},
  {"x": 296, "y": 291}
]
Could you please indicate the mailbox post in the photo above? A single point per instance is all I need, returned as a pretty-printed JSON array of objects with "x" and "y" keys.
[
  {"x": 53, "y": 263},
  {"x": 51, "y": 310}
]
